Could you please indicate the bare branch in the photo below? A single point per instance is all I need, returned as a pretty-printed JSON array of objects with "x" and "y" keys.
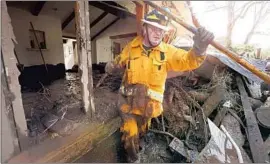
[
  {"x": 215, "y": 9},
  {"x": 243, "y": 6}
]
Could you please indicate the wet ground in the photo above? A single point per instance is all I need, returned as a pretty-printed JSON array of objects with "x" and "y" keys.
[
  {"x": 111, "y": 151},
  {"x": 63, "y": 98}
]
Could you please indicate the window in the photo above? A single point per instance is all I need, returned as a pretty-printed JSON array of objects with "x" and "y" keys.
[{"x": 40, "y": 37}]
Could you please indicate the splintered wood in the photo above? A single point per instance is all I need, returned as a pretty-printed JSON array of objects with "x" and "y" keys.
[{"x": 254, "y": 135}]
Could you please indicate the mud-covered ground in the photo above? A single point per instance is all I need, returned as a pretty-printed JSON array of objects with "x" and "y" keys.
[
  {"x": 110, "y": 150},
  {"x": 63, "y": 98}
]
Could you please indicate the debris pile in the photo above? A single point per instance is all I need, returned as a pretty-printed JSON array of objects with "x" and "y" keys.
[
  {"x": 54, "y": 109},
  {"x": 204, "y": 111}
]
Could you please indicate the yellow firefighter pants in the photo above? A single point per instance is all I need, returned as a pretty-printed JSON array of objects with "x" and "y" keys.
[{"x": 136, "y": 122}]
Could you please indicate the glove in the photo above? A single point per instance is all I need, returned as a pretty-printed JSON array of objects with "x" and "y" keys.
[
  {"x": 201, "y": 40},
  {"x": 113, "y": 69},
  {"x": 109, "y": 67}
]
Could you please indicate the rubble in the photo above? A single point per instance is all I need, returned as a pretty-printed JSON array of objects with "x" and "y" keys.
[
  {"x": 254, "y": 134},
  {"x": 189, "y": 109},
  {"x": 59, "y": 125},
  {"x": 219, "y": 149},
  {"x": 178, "y": 146}
]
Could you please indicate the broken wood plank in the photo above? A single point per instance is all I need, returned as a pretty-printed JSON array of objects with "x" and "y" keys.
[
  {"x": 254, "y": 135},
  {"x": 69, "y": 149},
  {"x": 213, "y": 101}
]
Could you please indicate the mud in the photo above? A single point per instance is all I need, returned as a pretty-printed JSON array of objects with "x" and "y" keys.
[
  {"x": 63, "y": 98},
  {"x": 111, "y": 151}
]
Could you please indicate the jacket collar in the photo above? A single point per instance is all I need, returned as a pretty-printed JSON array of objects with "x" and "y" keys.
[{"x": 139, "y": 40}]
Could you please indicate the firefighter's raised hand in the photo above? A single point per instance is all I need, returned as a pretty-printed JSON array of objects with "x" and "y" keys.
[{"x": 201, "y": 40}]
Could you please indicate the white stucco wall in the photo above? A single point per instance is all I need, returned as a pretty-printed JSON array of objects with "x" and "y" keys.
[
  {"x": 103, "y": 42},
  {"x": 20, "y": 20}
]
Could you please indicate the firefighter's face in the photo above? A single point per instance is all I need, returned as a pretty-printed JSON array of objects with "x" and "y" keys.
[{"x": 154, "y": 35}]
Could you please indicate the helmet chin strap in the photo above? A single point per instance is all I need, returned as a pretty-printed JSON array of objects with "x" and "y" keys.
[{"x": 150, "y": 43}]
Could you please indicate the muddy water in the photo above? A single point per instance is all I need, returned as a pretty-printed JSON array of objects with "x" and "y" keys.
[{"x": 110, "y": 151}]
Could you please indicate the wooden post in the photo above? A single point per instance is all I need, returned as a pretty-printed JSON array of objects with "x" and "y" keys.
[
  {"x": 10, "y": 82},
  {"x": 139, "y": 15},
  {"x": 84, "y": 54},
  {"x": 256, "y": 143}
]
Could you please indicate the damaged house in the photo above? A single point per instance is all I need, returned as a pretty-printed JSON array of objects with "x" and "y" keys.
[{"x": 59, "y": 105}]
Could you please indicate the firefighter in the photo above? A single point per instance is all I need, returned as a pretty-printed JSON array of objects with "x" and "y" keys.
[{"x": 145, "y": 62}]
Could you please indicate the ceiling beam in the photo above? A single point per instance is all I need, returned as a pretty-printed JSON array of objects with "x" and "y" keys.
[
  {"x": 105, "y": 28},
  {"x": 37, "y": 8},
  {"x": 114, "y": 4},
  {"x": 118, "y": 11},
  {"x": 99, "y": 18},
  {"x": 121, "y": 36},
  {"x": 68, "y": 20}
]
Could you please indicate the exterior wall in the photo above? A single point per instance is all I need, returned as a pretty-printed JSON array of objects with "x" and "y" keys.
[
  {"x": 20, "y": 20},
  {"x": 104, "y": 43}
]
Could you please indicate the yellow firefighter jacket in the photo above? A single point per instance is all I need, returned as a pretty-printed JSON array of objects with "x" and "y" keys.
[{"x": 151, "y": 68}]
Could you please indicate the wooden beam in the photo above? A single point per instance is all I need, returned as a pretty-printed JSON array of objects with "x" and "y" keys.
[
  {"x": 254, "y": 135},
  {"x": 114, "y": 4},
  {"x": 139, "y": 16},
  {"x": 99, "y": 18},
  {"x": 68, "y": 20},
  {"x": 14, "y": 96},
  {"x": 105, "y": 28},
  {"x": 70, "y": 148},
  {"x": 84, "y": 54},
  {"x": 37, "y": 8},
  {"x": 114, "y": 10},
  {"x": 69, "y": 37},
  {"x": 123, "y": 36}
]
